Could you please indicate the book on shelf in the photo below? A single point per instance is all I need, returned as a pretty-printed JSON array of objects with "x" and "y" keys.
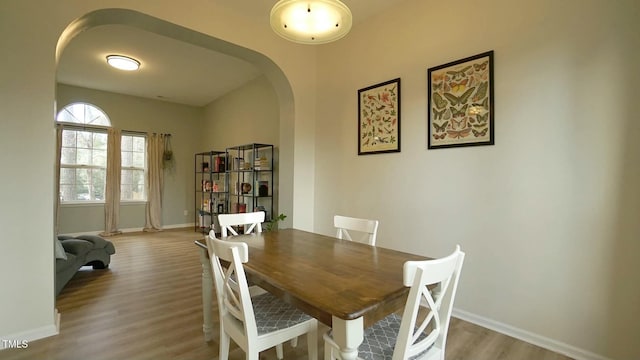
[
  {"x": 263, "y": 188},
  {"x": 219, "y": 165}
]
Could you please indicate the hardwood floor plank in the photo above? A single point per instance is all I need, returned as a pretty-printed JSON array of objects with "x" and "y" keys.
[{"x": 148, "y": 305}]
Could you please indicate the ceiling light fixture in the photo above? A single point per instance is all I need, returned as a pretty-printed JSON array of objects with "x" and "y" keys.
[
  {"x": 123, "y": 62},
  {"x": 311, "y": 21}
]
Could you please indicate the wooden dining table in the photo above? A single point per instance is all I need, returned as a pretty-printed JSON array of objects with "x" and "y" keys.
[{"x": 346, "y": 285}]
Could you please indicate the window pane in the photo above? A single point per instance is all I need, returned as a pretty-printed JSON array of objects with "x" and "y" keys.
[
  {"x": 126, "y": 143},
  {"x": 138, "y": 160},
  {"x": 100, "y": 141},
  {"x": 82, "y": 188},
  {"x": 99, "y": 158},
  {"x": 137, "y": 177},
  {"x": 132, "y": 185},
  {"x": 127, "y": 158},
  {"x": 67, "y": 176},
  {"x": 98, "y": 182},
  {"x": 137, "y": 193},
  {"x": 68, "y": 156},
  {"x": 86, "y": 114},
  {"x": 139, "y": 144},
  {"x": 126, "y": 177},
  {"x": 94, "y": 116},
  {"x": 83, "y": 157},
  {"x": 68, "y": 138},
  {"x": 138, "y": 180},
  {"x": 66, "y": 192},
  {"x": 125, "y": 192},
  {"x": 85, "y": 139}
]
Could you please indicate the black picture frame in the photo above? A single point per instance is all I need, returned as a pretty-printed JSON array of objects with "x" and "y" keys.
[
  {"x": 461, "y": 103},
  {"x": 379, "y": 118}
]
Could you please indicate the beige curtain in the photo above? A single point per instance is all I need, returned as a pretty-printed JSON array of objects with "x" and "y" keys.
[
  {"x": 155, "y": 149},
  {"x": 112, "y": 188},
  {"x": 57, "y": 179}
]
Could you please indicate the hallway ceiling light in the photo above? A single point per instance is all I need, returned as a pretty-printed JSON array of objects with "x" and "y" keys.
[
  {"x": 123, "y": 62},
  {"x": 311, "y": 21}
]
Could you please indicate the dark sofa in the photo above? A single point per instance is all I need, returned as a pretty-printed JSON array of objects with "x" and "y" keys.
[{"x": 81, "y": 251}]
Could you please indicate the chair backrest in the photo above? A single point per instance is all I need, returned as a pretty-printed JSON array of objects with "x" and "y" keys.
[
  {"x": 441, "y": 275},
  {"x": 232, "y": 290},
  {"x": 252, "y": 221},
  {"x": 368, "y": 228}
]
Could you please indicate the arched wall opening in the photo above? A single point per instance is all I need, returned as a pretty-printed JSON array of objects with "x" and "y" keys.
[{"x": 176, "y": 32}]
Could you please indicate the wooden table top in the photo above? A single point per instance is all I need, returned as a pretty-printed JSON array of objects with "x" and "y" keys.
[{"x": 325, "y": 276}]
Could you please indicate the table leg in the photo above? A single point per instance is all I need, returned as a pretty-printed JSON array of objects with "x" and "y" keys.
[
  {"x": 348, "y": 334},
  {"x": 207, "y": 294}
]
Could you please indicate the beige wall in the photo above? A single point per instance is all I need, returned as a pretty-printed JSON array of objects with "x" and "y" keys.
[
  {"x": 249, "y": 114},
  {"x": 549, "y": 215},
  {"x": 145, "y": 115}
]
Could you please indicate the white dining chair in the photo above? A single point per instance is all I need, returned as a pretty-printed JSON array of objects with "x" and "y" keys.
[
  {"x": 412, "y": 336},
  {"x": 253, "y": 323},
  {"x": 252, "y": 222},
  {"x": 367, "y": 228}
]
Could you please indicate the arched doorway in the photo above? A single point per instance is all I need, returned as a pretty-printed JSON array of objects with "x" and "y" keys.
[{"x": 179, "y": 33}]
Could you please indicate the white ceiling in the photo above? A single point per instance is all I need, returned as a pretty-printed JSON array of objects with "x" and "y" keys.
[{"x": 171, "y": 70}]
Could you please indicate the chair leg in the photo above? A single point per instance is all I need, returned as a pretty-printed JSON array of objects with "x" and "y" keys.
[
  {"x": 312, "y": 344},
  {"x": 279, "y": 352},
  {"x": 224, "y": 346},
  {"x": 328, "y": 351},
  {"x": 253, "y": 355},
  {"x": 294, "y": 342}
]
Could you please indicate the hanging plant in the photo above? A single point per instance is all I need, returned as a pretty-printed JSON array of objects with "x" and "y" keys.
[{"x": 167, "y": 155}]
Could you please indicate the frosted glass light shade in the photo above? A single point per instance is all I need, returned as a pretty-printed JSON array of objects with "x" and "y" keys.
[
  {"x": 311, "y": 21},
  {"x": 123, "y": 62}
]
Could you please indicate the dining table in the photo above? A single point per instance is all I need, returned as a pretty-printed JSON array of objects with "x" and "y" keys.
[{"x": 346, "y": 285}]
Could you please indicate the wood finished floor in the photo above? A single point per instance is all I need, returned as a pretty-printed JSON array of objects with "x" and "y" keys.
[{"x": 147, "y": 305}]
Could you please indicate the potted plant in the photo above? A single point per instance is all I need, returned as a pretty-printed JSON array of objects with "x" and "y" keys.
[{"x": 273, "y": 224}]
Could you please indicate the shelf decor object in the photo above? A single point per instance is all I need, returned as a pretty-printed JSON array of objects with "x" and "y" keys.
[
  {"x": 379, "y": 118},
  {"x": 460, "y": 111},
  {"x": 311, "y": 21}
]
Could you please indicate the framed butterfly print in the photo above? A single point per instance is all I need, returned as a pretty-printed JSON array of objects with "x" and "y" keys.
[
  {"x": 460, "y": 111},
  {"x": 379, "y": 118}
]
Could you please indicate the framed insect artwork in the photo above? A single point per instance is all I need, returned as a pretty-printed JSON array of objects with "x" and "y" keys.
[
  {"x": 461, "y": 111},
  {"x": 379, "y": 118}
]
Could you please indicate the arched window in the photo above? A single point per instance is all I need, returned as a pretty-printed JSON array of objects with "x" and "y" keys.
[
  {"x": 83, "y": 157},
  {"x": 83, "y": 114}
]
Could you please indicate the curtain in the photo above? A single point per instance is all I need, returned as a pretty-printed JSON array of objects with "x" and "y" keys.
[
  {"x": 155, "y": 149},
  {"x": 112, "y": 188},
  {"x": 57, "y": 177}
]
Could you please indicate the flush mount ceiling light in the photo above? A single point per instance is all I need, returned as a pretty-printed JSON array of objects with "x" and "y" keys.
[
  {"x": 311, "y": 21},
  {"x": 123, "y": 62}
]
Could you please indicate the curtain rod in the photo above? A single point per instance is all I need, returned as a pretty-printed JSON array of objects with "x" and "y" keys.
[
  {"x": 104, "y": 128},
  {"x": 142, "y": 132}
]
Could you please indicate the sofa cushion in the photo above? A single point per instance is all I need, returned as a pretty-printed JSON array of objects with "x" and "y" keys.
[
  {"x": 62, "y": 265},
  {"x": 59, "y": 250},
  {"x": 97, "y": 241},
  {"x": 77, "y": 246}
]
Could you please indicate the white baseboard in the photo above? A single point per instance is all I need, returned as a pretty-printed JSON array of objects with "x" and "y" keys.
[
  {"x": 35, "y": 334},
  {"x": 535, "y": 339},
  {"x": 129, "y": 230}
]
